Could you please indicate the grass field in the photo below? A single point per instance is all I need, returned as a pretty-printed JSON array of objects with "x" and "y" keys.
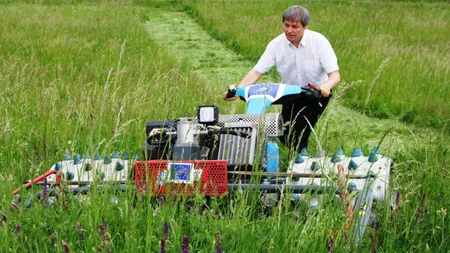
[{"x": 81, "y": 77}]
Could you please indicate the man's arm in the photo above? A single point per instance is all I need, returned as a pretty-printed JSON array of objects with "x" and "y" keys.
[
  {"x": 251, "y": 78},
  {"x": 333, "y": 79}
]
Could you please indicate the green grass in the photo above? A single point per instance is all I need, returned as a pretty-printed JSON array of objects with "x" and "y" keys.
[
  {"x": 407, "y": 40},
  {"x": 86, "y": 78}
]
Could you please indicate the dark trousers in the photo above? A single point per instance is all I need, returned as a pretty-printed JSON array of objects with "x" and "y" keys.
[{"x": 299, "y": 113}]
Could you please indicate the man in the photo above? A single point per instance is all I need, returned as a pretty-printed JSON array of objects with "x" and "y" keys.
[{"x": 300, "y": 56}]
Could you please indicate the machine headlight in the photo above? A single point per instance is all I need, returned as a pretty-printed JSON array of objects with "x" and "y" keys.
[{"x": 207, "y": 114}]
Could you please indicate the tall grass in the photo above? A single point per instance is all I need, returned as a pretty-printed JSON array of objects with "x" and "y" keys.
[
  {"x": 86, "y": 78},
  {"x": 76, "y": 77}
]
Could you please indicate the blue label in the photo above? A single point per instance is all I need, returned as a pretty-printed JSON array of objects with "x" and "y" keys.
[
  {"x": 180, "y": 171},
  {"x": 264, "y": 89}
]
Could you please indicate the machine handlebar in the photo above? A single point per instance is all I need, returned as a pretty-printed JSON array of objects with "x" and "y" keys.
[
  {"x": 259, "y": 97},
  {"x": 311, "y": 90}
]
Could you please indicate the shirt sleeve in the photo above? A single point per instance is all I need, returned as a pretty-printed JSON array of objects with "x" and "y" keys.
[
  {"x": 267, "y": 60},
  {"x": 328, "y": 58}
]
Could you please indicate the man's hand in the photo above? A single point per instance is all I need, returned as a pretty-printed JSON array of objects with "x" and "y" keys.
[
  {"x": 333, "y": 79},
  {"x": 325, "y": 90},
  {"x": 224, "y": 96}
]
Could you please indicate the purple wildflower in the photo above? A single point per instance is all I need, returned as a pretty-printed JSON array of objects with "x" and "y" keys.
[
  {"x": 16, "y": 206},
  {"x": 53, "y": 240},
  {"x": 185, "y": 246},
  {"x": 420, "y": 209},
  {"x": 18, "y": 228},
  {"x": 218, "y": 242},
  {"x": 296, "y": 218},
  {"x": 105, "y": 224},
  {"x": 80, "y": 231},
  {"x": 161, "y": 199},
  {"x": 103, "y": 234},
  {"x": 65, "y": 246},
  {"x": 166, "y": 230},
  {"x": 331, "y": 244},
  {"x": 64, "y": 201},
  {"x": 44, "y": 192},
  {"x": 397, "y": 201},
  {"x": 3, "y": 219},
  {"x": 374, "y": 236},
  {"x": 163, "y": 245},
  {"x": 394, "y": 208}
]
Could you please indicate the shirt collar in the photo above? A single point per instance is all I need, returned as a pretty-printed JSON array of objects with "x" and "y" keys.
[
  {"x": 304, "y": 40},
  {"x": 305, "y": 37}
]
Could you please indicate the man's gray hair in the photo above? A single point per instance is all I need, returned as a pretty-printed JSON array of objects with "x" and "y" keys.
[{"x": 295, "y": 13}]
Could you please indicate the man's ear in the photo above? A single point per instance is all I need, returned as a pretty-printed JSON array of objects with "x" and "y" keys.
[{"x": 306, "y": 26}]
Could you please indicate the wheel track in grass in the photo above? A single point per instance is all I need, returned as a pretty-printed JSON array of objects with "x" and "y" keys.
[{"x": 219, "y": 66}]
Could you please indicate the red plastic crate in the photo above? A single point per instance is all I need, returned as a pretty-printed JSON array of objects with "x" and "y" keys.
[{"x": 184, "y": 178}]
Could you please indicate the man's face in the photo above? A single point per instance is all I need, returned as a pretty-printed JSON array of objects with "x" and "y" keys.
[{"x": 294, "y": 31}]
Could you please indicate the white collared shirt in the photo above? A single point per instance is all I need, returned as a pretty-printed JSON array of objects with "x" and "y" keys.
[{"x": 309, "y": 63}]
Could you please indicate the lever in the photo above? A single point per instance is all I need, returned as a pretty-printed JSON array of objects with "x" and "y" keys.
[{"x": 231, "y": 91}]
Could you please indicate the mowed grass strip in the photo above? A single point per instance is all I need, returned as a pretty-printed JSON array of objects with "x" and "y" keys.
[{"x": 405, "y": 45}]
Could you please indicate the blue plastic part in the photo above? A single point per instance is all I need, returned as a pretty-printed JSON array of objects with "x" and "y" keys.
[
  {"x": 320, "y": 153},
  {"x": 376, "y": 150},
  {"x": 119, "y": 166},
  {"x": 241, "y": 92},
  {"x": 258, "y": 105},
  {"x": 67, "y": 157},
  {"x": 340, "y": 151},
  {"x": 299, "y": 159},
  {"x": 372, "y": 157},
  {"x": 304, "y": 152},
  {"x": 69, "y": 175},
  {"x": 357, "y": 152},
  {"x": 335, "y": 158},
  {"x": 314, "y": 166},
  {"x": 136, "y": 157},
  {"x": 106, "y": 160},
  {"x": 272, "y": 156},
  {"x": 352, "y": 187},
  {"x": 116, "y": 155},
  {"x": 88, "y": 156},
  {"x": 97, "y": 156},
  {"x": 352, "y": 165},
  {"x": 58, "y": 166},
  {"x": 77, "y": 159},
  {"x": 126, "y": 156},
  {"x": 313, "y": 206},
  {"x": 295, "y": 196}
]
